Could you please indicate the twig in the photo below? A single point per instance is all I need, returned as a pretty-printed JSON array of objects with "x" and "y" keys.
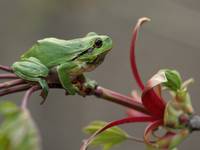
[
  {"x": 118, "y": 98},
  {"x": 11, "y": 83},
  {"x": 27, "y": 95},
  {"x": 14, "y": 89},
  {"x": 106, "y": 94},
  {"x": 8, "y": 76},
  {"x": 5, "y": 68},
  {"x": 19, "y": 85}
]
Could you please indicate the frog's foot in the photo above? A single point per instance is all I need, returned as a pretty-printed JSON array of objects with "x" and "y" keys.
[
  {"x": 88, "y": 87},
  {"x": 90, "y": 84},
  {"x": 85, "y": 86},
  {"x": 72, "y": 91},
  {"x": 45, "y": 90}
]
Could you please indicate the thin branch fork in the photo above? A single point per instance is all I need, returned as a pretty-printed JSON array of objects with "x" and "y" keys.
[
  {"x": 27, "y": 95},
  {"x": 19, "y": 85},
  {"x": 5, "y": 68}
]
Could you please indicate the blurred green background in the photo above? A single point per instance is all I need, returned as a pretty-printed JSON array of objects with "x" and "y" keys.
[{"x": 171, "y": 39}]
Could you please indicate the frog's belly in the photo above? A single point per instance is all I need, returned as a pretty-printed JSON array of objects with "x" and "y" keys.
[{"x": 87, "y": 68}]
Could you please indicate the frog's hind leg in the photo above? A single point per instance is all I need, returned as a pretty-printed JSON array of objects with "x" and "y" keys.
[{"x": 31, "y": 69}]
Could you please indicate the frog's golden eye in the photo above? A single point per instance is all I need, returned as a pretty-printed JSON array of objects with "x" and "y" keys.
[{"x": 98, "y": 43}]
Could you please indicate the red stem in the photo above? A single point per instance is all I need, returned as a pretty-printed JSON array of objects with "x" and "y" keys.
[
  {"x": 120, "y": 99},
  {"x": 8, "y": 76},
  {"x": 5, "y": 68},
  {"x": 27, "y": 95},
  {"x": 99, "y": 92},
  {"x": 14, "y": 89},
  {"x": 11, "y": 83},
  {"x": 19, "y": 85}
]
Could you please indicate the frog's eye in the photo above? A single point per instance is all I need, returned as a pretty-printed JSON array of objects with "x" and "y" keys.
[{"x": 98, "y": 43}]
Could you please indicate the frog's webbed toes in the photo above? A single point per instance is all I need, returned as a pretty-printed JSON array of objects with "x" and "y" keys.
[
  {"x": 45, "y": 90},
  {"x": 90, "y": 84},
  {"x": 72, "y": 90},
  {"x": 88, "y": 87}
]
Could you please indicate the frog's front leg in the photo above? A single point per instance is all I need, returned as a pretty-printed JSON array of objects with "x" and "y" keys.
[
  {"x": 65, "y": 72},
  {"x": 90, "y": 84},
  {"x": 85, "y": 85},
  {"x": 31, "y": 69}
]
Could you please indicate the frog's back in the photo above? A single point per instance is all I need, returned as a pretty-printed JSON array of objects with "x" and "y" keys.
[{"x": 53, "y": 51}]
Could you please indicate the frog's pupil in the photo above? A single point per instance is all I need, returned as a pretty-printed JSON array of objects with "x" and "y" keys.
[{"x": 98, "y": 43}]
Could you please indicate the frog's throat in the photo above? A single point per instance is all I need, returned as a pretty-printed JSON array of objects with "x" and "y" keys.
[{"x": 99, "y": 59}]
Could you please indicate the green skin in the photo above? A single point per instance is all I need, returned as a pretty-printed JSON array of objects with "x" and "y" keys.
[{"x": 70, "y": 58}]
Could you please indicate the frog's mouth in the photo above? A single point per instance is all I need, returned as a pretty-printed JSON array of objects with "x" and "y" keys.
[
  {"x": 84, "y": 52},
  {"x": 97, "y": 61}
]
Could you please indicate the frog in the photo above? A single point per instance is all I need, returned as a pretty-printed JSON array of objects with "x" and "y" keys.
[{"x": 69, "y": 58}]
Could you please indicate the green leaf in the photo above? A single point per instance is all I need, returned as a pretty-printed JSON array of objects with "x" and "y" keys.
[
  {"x": 7, "y": 109},
  {"x": 17, "y": 131},
  {"x": 174, "y": 80},
  {"x": 108, "y": 138}
]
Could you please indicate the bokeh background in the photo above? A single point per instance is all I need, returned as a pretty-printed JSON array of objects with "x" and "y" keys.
[{"x": 170, "y": 40}]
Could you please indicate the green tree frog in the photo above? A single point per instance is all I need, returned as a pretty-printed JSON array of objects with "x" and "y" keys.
[{"x": 70, "y": 58}]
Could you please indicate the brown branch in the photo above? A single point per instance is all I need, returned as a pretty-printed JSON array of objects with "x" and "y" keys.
[
  {"x": 19, "y": 85},
  {"x": 120, "y": 99},
  {"x": 11, "y": 83},
  {"x": 5, "y": 68},
  {"x": 14, "y": 89},
  {"x": 27, "y": 95},
  {"x": 8, "y": 76}
]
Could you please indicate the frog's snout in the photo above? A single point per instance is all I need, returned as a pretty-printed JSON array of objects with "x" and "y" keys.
[{"x": 109, "y": 43}]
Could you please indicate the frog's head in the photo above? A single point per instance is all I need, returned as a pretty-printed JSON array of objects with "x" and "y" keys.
[{"x": 96, "y": 47}]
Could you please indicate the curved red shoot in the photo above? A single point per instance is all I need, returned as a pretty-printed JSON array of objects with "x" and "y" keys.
[{"x": 132, "y": 52}]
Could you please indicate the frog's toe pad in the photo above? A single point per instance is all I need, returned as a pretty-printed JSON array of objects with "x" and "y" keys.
[{"x": 92, "y": 84}]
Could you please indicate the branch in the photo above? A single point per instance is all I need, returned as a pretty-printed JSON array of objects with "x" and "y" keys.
[
  {"x": 5, "y": 68},
  {"x": 19, "y": 85},
  {"x": 120, "y": 99},
  {"x": 27, "y": 95}
]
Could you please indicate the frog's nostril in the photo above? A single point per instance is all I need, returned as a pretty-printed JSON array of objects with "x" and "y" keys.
[{"x": 108, "y": 40}]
